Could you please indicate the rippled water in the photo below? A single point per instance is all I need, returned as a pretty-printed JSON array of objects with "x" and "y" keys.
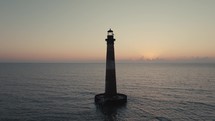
[{"x": 65, "y": 92}]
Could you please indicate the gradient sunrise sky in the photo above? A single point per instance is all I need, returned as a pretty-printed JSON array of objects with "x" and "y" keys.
[{"x": 75, "y": 30}]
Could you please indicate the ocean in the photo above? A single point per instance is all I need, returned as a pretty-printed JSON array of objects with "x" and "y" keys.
[{"x": 65, "y": 92}]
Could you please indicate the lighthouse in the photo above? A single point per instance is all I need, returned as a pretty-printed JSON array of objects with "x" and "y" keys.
[
  {"x": 110, "y": 77},
  {"x": 110, "y": 96}
]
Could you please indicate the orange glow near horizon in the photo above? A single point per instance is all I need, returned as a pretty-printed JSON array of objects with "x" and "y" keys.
[{"x": 68, "y": 57}]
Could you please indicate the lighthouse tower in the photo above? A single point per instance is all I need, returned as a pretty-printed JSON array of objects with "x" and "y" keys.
[
  {"x": 110, "y": 96},
  {"x": 110, "y": 78}
]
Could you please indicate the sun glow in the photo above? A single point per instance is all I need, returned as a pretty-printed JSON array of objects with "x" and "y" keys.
[{"x": 149, "y": 56}]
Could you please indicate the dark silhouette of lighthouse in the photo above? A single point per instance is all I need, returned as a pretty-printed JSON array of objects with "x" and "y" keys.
[
  {"x": 110, "y": 96},
  {"x": 110, "y": 78}
]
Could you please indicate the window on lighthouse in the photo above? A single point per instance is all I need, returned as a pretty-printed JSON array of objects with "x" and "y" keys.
[{"x": 110, "y": 32}]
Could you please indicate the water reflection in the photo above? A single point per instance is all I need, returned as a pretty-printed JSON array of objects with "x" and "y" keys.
[{"x": 111, "y": 112}]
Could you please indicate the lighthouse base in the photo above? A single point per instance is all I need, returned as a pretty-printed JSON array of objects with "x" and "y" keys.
[{"x": 103, "y": 99}]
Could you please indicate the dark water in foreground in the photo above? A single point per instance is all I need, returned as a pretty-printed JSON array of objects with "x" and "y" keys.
[{"x": 65, "y": 92}]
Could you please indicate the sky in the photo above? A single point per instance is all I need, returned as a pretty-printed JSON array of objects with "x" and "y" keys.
[{"x": 75, "y": 30}]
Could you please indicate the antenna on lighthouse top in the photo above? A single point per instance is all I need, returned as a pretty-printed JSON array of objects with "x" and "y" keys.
[{"x": 110, "y": 30}]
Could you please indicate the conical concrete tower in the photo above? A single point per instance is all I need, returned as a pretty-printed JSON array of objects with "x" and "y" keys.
[
  {"x": 110, "y": 96},
  {"x": 110, "y": 78}
]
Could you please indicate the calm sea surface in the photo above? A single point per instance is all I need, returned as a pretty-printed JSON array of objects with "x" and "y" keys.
[{"x": 65, "y": 92}]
